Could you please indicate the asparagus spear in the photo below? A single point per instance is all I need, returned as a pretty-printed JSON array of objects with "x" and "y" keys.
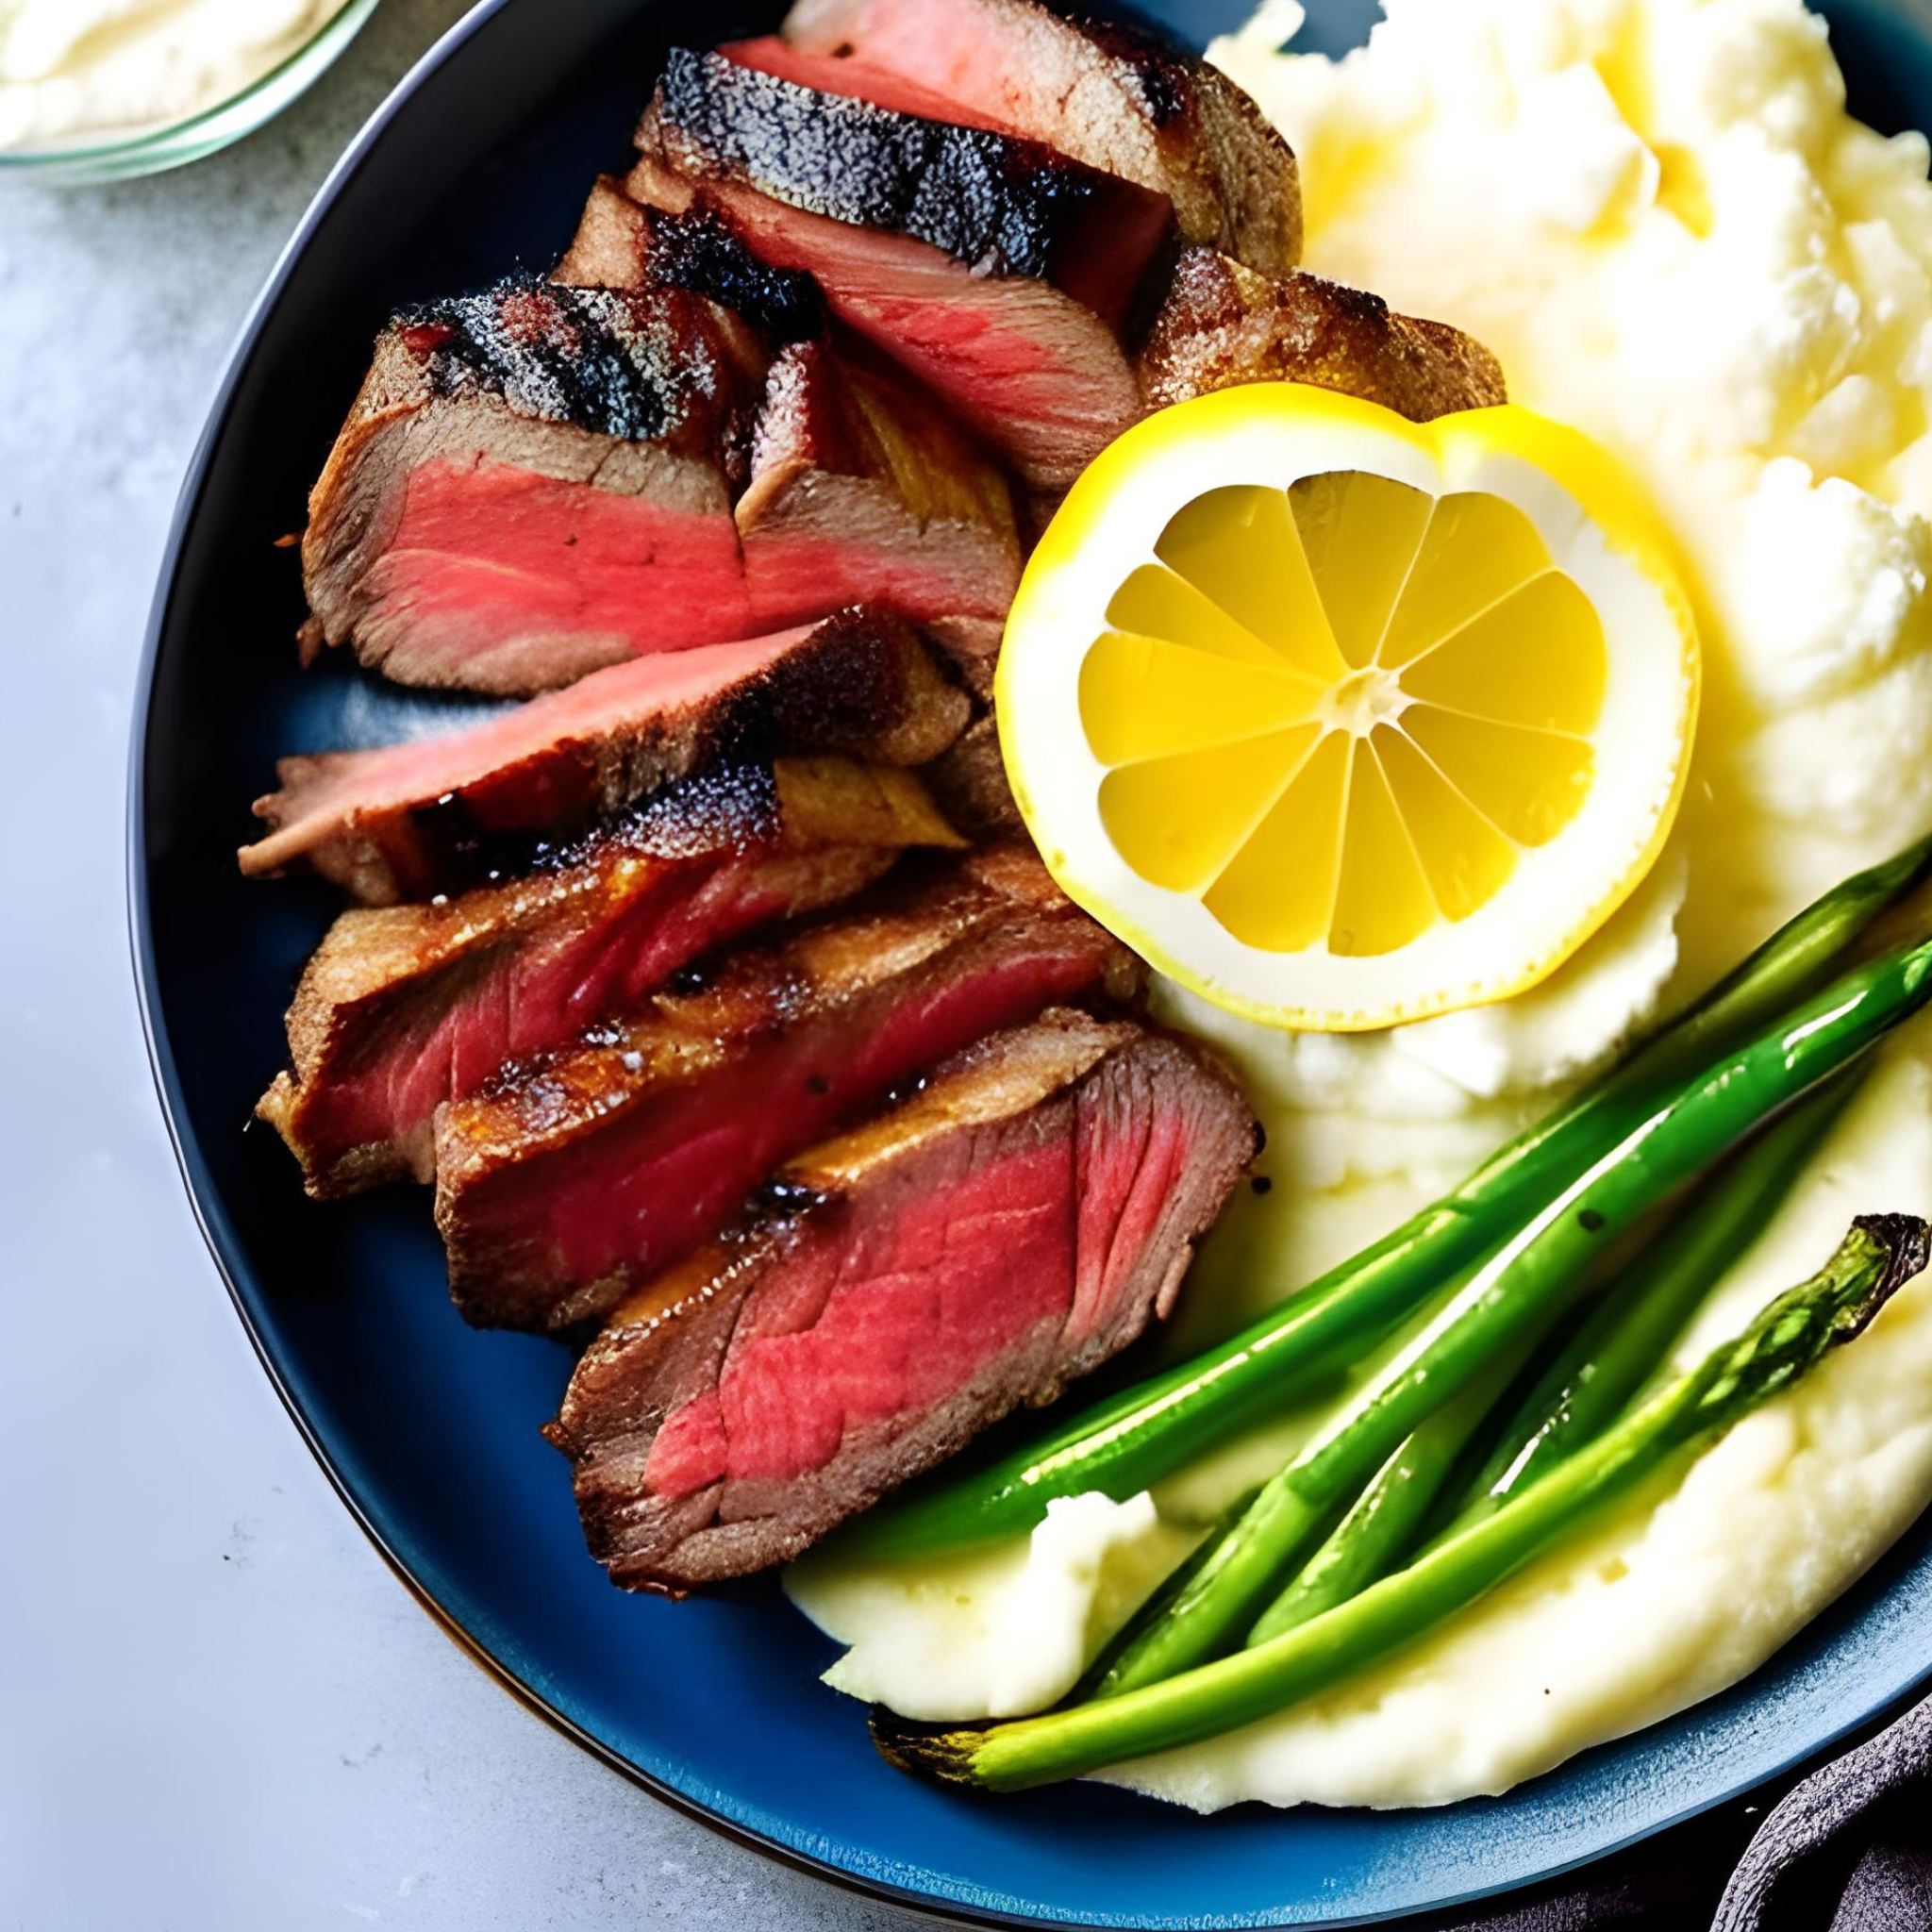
[
  {"x": 1625, "y": 1337},
  {"x": 1373, "y": 1536},
  {"x": 1145, "y": 1432},
  {"x": 1098, "y": 1680},
  {"x": 1778, "y": 1349},
  {"x": 1508, "y": 1299},
  {"x": 1385, "y": 1523}
]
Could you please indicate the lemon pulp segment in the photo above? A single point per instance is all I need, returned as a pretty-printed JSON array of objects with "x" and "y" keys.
[{"x": 1340, "y": 712}]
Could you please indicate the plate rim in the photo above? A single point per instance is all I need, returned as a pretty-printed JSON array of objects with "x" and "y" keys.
[{"x": 231, "y": 1262}]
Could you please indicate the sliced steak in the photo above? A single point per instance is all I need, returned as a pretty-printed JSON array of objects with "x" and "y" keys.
[
  {"x": 999, "y": 205},
  {"x": 535, "y": 482},
  {"x": 1004, "y": 1231},
  {"x": 1035, "y": 372},
  {"x": 1102, "y": 93},
  {"x": 860, "y": 483},
  {"x": 1223, "y": 324},
  {"x": 621, "y": 244},
  {"x": 439, "y": 813},
  {"x": 406, "y": 1007},
  {"x": 560, "y": 1187}
]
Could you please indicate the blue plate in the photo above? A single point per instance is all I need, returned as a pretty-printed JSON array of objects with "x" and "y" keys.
[{"x": 481, "y": 160}]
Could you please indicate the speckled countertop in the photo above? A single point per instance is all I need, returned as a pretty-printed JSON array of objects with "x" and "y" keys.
[{"x": 219, "y": 1712}]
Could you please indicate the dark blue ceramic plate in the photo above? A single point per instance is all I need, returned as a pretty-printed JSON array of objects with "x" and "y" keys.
[{"x": 480, "y": 161}]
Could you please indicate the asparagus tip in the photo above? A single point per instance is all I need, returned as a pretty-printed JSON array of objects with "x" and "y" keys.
[
  {"x": 1908, "y": 1245},
  {"x": 941, "y": 1754}
]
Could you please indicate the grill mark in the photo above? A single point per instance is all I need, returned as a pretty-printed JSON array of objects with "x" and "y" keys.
[
  {"x": 609, "y": 361},
  {"x": 1163, "y": 82},
  {"x": 998, "y": 202}
]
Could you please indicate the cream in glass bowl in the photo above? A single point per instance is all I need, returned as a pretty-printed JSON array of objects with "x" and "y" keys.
[{"x": 99, "y": 90}]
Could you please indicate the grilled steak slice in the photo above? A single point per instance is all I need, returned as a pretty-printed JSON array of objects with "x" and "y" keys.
[
  {"x": 559, "y": 1187},
  {"x": 1102, "y": 93},
  {"x": 1001, "y": 205},
  {"x": 1224, "y": 324},
  {"x": 620, "y": 243},
  {"x": 440, "y": 813},
  {"x": 406, "y": 1007},
  {"x": 861, "y": 484},
  {"x": 843, "y": 73},
  {"x": 1035, "y": 372},
  {"x": 1004, "y": 1231},
  {"x": 535, "y": 482}
]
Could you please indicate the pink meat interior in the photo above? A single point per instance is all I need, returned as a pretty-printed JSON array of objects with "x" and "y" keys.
[
  {"x": 490, "y": 554},
  {"x": 646, "y": 1191},
  {"x": 1100, "y": 264},
  {"x": 860, "y": 78},
  {"x": 1033, "y": 371},
  {"x": 527, "y": 996},
  {"x": 924, "y": 1288},
  {"x": 497, "y": 562},
  {"x": 929, "y": 582}
]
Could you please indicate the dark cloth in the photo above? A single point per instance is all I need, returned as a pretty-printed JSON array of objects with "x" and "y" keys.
[
  {"x": 1846, "y": 1848},
  {"x": 1850, "y": 1848}
]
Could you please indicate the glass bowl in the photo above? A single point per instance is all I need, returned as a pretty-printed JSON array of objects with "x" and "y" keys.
[{"x": 174, "y": 144}]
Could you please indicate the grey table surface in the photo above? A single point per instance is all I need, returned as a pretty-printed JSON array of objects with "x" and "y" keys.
[{"x": 219, "y": 1711}]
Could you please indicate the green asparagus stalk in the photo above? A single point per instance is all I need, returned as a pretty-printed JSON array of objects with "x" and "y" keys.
[
  {"x": 1145, "y": 1432},
  {"x": 1383, "y": 1527},
  {"x": 1098, "y": 1681},
  {"x": 1625, "y": 1337},
  {"x": 1685, "y": 1415},
  {"x": 1373, "y": 1536},
  {"x": 1509, "y": 1298}
]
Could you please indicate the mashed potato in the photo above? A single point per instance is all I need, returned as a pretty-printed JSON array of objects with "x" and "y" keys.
[{"x": 1660, "y": 216}]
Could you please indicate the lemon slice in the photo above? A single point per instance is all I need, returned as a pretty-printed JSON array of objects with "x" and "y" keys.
[{"x": 1341, "y": 720}]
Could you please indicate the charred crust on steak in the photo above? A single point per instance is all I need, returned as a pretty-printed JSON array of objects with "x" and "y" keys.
[
  {"x": 777, "y": 1199},
  {"x": 622, "y": 245},
  {"x": 1224, "y": 324},
  {"x": 873, "y": 704},
  {"x": 604, "y": 360},
  {"x": 1159, "y": 71},
  {"x": 997, "y": 202},
  {"x": 1119, "y": 98},
  {"x": 701, "y": 250},
  {"x": 731, "y": 802}
]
